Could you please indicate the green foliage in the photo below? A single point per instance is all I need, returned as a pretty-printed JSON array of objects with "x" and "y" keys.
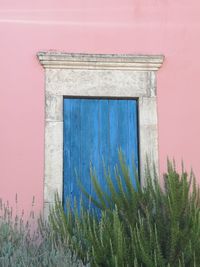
[
  {"x": 20, "y": 246},
  {"x": 153, "y": 226}
]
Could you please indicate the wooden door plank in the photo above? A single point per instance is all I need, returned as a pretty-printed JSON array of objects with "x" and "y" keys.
[
  {"x": 66, "y": 149},
  {"x": 75, "y": 145},
  {"x": 104, "y": 151},
  {"x": 89, "y": 140},
  {"x": 113, "y": 135},
  {"x": 122, "y": 113},
  {"x": 132, "y": 138}
]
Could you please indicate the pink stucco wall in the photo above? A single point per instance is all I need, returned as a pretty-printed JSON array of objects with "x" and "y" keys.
[{"x": 169, "y": 27}]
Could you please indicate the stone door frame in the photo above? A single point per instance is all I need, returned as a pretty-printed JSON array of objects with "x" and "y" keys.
[{"x": 96, "y": 75}]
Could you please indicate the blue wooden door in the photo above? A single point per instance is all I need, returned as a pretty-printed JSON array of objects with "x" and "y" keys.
[{"x": 94, "y": 129}]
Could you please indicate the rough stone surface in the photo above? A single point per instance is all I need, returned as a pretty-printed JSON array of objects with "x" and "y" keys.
[
  {"x": 46, "y": 208},
  {"x": 151, "y": 87},
  {"x": 148, "y": 148},
  {"x": 53, "y": 158},
  {"x": 147, "y": 111},
  {"x": 50, "y": 189},
  {"x": 97, "y": 83},
  {"x": 54, "y": 107}
]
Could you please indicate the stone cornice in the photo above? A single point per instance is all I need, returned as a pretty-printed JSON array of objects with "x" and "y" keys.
[{"x": 60, "y": 60}]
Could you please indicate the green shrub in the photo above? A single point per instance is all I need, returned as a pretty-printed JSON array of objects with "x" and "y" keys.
[
  {"x": 20, "y": 246},
  {"x": 149, "y": 227}
]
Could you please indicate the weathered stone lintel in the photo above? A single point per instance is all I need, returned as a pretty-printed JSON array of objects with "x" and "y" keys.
[
  {"x": 127, "y": 62},
  {"x": 99, "y": 83}
]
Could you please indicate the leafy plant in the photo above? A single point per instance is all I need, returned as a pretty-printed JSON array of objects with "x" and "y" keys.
[
  {"x": 20, "y": 246},
  {"x": 149, "y": 227}
]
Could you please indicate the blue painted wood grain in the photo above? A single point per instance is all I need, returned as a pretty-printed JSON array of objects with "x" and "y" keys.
[
  {"x": 113, "y": 136},
  {"x": 132, "y": 139},
  {"x": 66, "y": 150},
  {"x": 104, "y": 139},
  {"x": 94, "y": 130}
]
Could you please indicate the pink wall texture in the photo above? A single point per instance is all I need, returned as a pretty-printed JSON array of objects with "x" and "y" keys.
[{"x": 164, "y": 27}]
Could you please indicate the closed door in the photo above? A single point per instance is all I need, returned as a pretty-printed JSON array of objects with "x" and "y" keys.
[{"x": 94, "y": 130}]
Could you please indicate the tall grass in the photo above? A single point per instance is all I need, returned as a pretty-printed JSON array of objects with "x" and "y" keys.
[{"x": 148, "y": 227}]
